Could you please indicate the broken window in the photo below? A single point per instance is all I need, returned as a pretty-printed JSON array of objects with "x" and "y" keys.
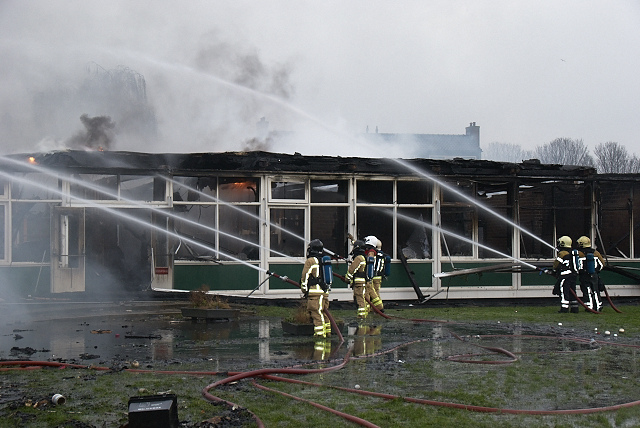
[
  {"x": 96, "y": 187},
  {"x": 240, "y": 232},
  {"x": 616, "y": 202},
  {"x": 329, "y": 191},
  {"x": 375, "y": 191},
  {"x": 35, "y": 186},
  {"x": 238, "y": 189},
  {"x": 414, "y": 192},
  {"x": 194, "y": 189},
  {"x": 137, "y": 188},
  {"x": 287, "y": 232},
  {"x": 494, "y": 220},
  {"x": 292, "y": 190},
  {"x": 456, "y": 217},
  {"x": 329, "y": 224},
  {"x": 572, "y": 202},
  {"x": 376, "y": 221},
  {"x": 196, "y": 232},
  {"x": 414, "y": 233},
  {"x": 30, "y": 235},
  {"x": 536, "y": 218}
]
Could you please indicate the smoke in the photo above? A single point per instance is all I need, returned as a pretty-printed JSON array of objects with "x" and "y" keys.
[
  {"x": 97, "y": 135},
  {"x": 243, "y": 66}
]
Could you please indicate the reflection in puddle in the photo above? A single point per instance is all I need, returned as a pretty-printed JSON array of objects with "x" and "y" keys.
[{"x": 364, "y": 339}]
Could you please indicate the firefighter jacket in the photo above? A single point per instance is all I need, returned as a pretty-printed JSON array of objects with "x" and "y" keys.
[
  {"x": 356, "y": 272},
  {"x": 567, "y": 263},
  {"x": 592, "y": 261},
  {"x": 379, "y": 267},
  {"x": 311, "y": 281}
]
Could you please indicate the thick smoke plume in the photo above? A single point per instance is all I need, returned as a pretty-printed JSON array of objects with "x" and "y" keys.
[{"x": 98, "y": 133}]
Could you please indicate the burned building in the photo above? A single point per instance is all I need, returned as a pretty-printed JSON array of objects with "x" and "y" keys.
[{"x": 100, "y": 222}]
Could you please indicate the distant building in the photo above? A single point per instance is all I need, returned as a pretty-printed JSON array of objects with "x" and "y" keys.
[{"x": 434, "y": 146}]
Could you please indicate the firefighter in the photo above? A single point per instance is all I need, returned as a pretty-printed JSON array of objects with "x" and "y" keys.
[
  {"x": 373, "y": 272},
  {"x": 592, "y": 264},
  {"x": 356, "y": 277},
  {"x": 565, "y": 268},
  {"x": 381, "y": 268},
  {"x": 316, "y": 289}
]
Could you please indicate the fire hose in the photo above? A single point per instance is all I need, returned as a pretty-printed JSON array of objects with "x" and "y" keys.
[
  {"x": 269, "y": 374},
  {"x": 593, "y": 311}
]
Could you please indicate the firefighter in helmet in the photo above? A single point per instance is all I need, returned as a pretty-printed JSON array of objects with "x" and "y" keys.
[
  {"x": 592, "y": 264},
  {"x": 382, "y": 269},
  {"x": 374, "y": 249},
  {"x": 356, "y": 277},
  {"x": 565, "y": 268},
  {"x": 316, "y": 289}
]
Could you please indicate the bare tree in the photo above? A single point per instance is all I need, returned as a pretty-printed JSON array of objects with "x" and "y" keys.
[
  {"x": 506, "y": 152},
  {"x": 633, "y": 165},
  {"x": 612, "y": 157},
  {"x": 564, "y": 151}
]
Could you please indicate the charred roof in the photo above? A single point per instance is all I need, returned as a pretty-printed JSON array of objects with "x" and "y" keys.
[{"x": 119, "y": 162}]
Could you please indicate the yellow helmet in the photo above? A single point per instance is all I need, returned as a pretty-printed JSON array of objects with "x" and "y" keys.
[
  {"x": 565, "y": 242},
  {"x": 584, "y": 242}
]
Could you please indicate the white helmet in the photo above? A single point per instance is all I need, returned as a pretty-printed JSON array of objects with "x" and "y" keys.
[
  {"x": 371, "y": 240},
  {"x": 379, "y": 245}
]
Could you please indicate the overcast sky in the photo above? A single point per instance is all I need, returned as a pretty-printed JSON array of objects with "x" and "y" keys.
[{"x": 525, "y": 72}]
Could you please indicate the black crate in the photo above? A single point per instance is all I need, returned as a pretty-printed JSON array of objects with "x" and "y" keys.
[{"x": 153, "y": 411}]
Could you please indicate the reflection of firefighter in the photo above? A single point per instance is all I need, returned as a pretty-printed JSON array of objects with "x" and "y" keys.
[
  {"x": 565, "y": 268},
  {"x": 592, "y": 264},
  {"x": 321, "y": 349},
  {"x": 356, "y": 277},
  {"x": 316, "y": 287},
  {"x": 367, "y": 340},
  {"x": 373, "y": 275}
]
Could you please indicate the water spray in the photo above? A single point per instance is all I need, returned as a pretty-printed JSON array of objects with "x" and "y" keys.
[{"x": 462, "y": 238}]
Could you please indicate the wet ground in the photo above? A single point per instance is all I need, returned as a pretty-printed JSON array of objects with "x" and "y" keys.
[{"x": 153, "y": 333}]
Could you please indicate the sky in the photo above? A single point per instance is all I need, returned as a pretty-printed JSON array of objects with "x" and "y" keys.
[{"x": 525, "y": 72}]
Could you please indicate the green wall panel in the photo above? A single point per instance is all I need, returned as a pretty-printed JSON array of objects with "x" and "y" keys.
[
  {"x": 484, "y": 279},
  {"x": 215, "y": 277},
  {"x": 399, "y": 278},
  {"x": 291, "y": 271},
  {"x": 536, "y": 278},
  {"x": 614, "y": 278}
]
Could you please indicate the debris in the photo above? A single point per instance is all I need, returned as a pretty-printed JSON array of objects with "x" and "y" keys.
[
  {"x": 58, "y": 399},
  {"x": 100, "y": 331},
  {"x": 150, "y": 336}
]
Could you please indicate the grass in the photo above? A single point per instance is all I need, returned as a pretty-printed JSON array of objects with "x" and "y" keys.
[{"x": 551, "y": 373}]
